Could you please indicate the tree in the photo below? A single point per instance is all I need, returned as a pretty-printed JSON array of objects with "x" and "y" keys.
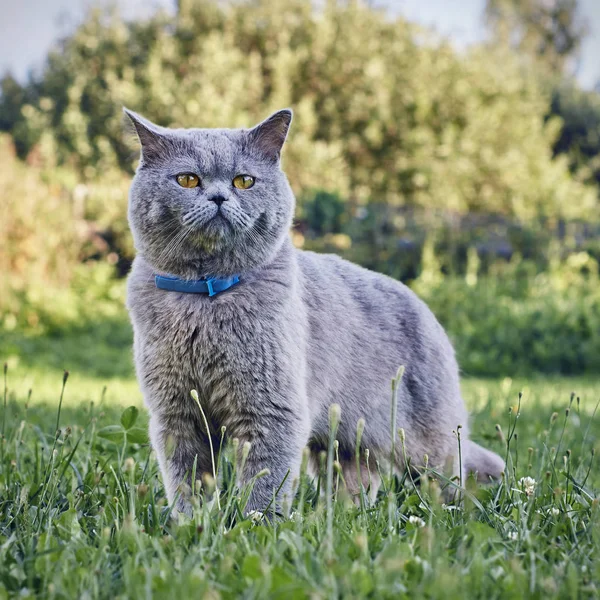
[
  {"x": 382, "y": 114},
  {"x": 579, "y": 137},
  {"x": 550, "y": 31}
]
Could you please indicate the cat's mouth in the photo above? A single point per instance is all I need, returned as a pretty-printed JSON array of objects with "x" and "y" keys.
[
  {"x": 217, "y": 223},
  {"x": 218, "y": 217},
  {"x": 217, "y": 226},
  {"x": 206, "y": 217}
]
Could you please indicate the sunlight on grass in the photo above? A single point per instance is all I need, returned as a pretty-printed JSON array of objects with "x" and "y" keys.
[
  {"x": 45, "y": 385},
  {"x": 548, "y": 392},
  {"x": 493, "y": 395}
]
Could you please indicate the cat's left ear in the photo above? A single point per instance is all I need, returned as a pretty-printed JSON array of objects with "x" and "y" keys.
[{"x": 268, "y": 137}]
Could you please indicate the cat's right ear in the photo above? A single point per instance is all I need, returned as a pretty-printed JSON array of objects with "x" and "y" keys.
[{"x": 150, "y": 136}]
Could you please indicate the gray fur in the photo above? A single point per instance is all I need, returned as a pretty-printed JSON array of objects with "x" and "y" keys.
[{"x": 299, "y": 332}]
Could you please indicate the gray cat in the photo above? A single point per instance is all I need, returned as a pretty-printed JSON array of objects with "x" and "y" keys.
[{"x": 298, "y": 332}]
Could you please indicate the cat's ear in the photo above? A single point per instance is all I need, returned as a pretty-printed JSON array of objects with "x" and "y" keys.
[
  {"x": 151, "y": 138},
  {"x": 268, "y": 137}
]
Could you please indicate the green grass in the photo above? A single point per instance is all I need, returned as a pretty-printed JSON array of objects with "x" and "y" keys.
[{"x": 83, "y": 514}]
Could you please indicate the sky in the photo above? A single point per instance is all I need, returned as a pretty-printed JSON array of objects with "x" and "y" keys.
[{"x": 30, "y": 27}]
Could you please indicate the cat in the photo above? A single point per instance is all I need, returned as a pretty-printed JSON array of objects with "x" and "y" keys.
[{"x": 290, "y": 333}]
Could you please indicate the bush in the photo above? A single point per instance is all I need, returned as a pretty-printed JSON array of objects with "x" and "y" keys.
[
  {"x": 40, "y": 235},
  {"x": 391, "y": 239},
  {"x": 516, "y": 321},
  {"x": 83, "y": 326},
  {"x": 50, "y": 226}
]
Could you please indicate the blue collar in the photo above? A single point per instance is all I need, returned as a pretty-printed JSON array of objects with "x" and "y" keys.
[{"x": 210, "y": 286}]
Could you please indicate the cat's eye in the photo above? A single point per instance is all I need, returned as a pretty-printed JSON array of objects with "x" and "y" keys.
[
  {"x": 243, "y": 182},
  {"x": 188, "y": 180}
]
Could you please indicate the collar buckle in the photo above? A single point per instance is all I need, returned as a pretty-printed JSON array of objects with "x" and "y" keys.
[{"x": 209, "y": 285}]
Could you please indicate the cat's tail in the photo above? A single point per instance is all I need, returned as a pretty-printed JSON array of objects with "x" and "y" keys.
[{"x": 487, "y": 465}]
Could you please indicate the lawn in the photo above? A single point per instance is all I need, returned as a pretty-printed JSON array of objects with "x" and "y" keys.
[{"x": 83, "y": 514}]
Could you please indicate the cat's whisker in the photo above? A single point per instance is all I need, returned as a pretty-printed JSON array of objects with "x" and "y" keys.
[
  {"x": 261, "y": 228},
  {"x": 259, "y": 234},
  {"x": 197, "y": 215},
  {"x": 238, "y": 219},
  {"x": 173, "y": 243},
  {"x": 252, "y": 236},
  {"x": 182, "y": 240},
  {"x": 170, "y": 239},
  {"x": 190, "y": 217}
]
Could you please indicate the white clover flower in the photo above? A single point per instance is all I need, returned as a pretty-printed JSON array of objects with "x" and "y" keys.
[
  {"x": 296, "y": 517},
  {"x": 528, "y": 485},
  {"x": 416, "y": 521},
  {"x": 256, "y": 516},
  {"x": 513, "y": 535}
]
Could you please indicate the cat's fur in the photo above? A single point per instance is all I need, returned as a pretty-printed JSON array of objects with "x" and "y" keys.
[{"x": 299, "y": 332}]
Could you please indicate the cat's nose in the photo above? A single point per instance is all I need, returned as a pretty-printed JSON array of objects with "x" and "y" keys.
[{"x": 218, "y": 200}]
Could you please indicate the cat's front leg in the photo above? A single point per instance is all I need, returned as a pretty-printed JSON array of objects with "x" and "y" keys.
[
  {"x": 276, "y": 445},
  {"x": 182, "y": 449}
]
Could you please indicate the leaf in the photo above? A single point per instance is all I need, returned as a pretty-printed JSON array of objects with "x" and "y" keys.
[
  {"x": 251, "y": 567},
  {"x": 129, "y": 417},
  {"x": 482, "y": 532},
  {"x": 137, "y": 435},
  {"x": 241, "y": 527},
  {"x": 113, "y": 433},
  {"x": 68, "y": 525},
  {"x": 116, "y": 434}
]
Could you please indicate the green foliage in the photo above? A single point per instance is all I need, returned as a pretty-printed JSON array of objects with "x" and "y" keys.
[
  {"x": 392, "y": 239},
  {"x": 82, "y": 326},
  {"x": 125, "y": 433},
  {"x": 381, "y": 113},
  {"x": 52, "y": 223},
  {"x": 81, "y": 514},
  {"x": 515, "y": 320},
  {"x": 322, "y": 213},
  {"x": 395, "y": 134},
  {"x": 505, "y": 318},
  {"x": 38, "y": 228}
]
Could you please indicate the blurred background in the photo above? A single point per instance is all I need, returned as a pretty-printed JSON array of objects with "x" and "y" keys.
[{"x": 454, "y": 145}]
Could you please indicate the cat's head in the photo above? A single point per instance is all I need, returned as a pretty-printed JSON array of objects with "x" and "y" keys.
[{"x": 210, "y": 202}]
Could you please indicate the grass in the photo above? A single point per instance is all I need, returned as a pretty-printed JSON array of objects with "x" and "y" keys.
[{"x": 83, "y": 513}]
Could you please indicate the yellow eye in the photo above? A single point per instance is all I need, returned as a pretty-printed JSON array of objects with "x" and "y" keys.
[
  {"x": 188, "y": 180},
  {"x": 243, "y": 182}
]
